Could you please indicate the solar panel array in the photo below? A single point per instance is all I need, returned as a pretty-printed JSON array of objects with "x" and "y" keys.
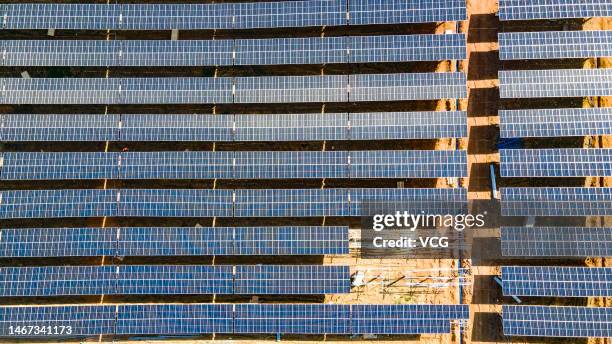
[
  {"x": 239, "y": 128},
  {"x": 556, "y": 241},
  {"x": 556, "y": 201},
  {"x": 555, "y": 83},
  {"x": 547, "y": 321},
  {"x": 557, "y": 162},
  {"x": 554, "y": 45},
  {"x": 555, "y": 122},
  {"x": 557, "y": 281},
  {"x": 552, "y": 9}
]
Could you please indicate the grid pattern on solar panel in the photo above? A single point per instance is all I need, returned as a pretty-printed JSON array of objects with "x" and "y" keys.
[
  {"x": 292, "y": 318},
  {"x": 545, "y": 321},
  {"x": 174, "y": 53},
  {"x": 552, "y": 9},
  {"x": 174, "y": 319},
  {"x": 53, "y": 127},
  {"x": 555, "y": 83},
  {"x": 60, "y": 91},
  {"x": 83, "y": 320},
  {"x": 555, "y": 122},
  {"x": 412, "y": 164},
  {"x": 292, "y": 127},
  {"x": 61, "y": 16},
  {"x": 442, "y": 201},
  {"x": 367, "y": 12},
  {"x": 175, "y": 241},
  {"x": 408, "y": 86},
  {"x": 64, "y": 165},
  {"x": 292, "y": 279},
  {"x": 294, "y": 89},
  {"x": 152, "y": 127},
  {"x": 407, "y": 125},
  {"x": 556, "y": 242},
  {"x": 58, "y": 242},
  {"x": 405, "y": 319},
  {"x": 556, "y": 281},
  {"x": 406, "y": 48},
  {"x": 281, "y": 51},
  {"x": 556, "y": 201},
  {"x": 175, "y": 90},
  {"x": 291, "y": 240},
  {"x": 563, "y": 162},
  {"x": 281, "y": 165},
  {"x": 290, "y": 14},
  {"x": 175, "y": 202},
  {"x": 554, "y": 45},
  {"x": 176, "y": 165},
  {"x": 60, "y": 53},
  {"x": 291, "y": 203}
]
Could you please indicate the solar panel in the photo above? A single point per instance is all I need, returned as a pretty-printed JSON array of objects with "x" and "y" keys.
[
  {"x": 282, "y": 51},
  {"x": 435, "y": 199},
  {"x": 407, "y": 125},
  {"x": 281, "y": 165},
  {"x": 555, "y": 122},
  {"x": 407, "y": 86},
  {"x": 403, "y": 48},
  {"x": 552, "y": 9},
  {"x": 292, "y": 127},
  {"x": 175, "y": 241},
  {"x": 30, "y": 127},
  {"x": 60, "y": 53},
  {"x": 151, "y": 127},
  {"x": 292, "y": 279},
  {"x": 175, "y": 16},
  {"x": 57, "y": 203},
  {"x": 174, "y": 319},
  {"x": 175, "y": 202},
  {"x": 62, "y": 166},
  {"x": 408, "y": 164},
  {"x": 175, "y": 91},
  {"x": 292, "y": 318},
  {"x": 406, "y": 319},
  {"x": 291, "y": 89},
  {"x": 554, "y": 321},
  {"x": 562, "y": 162},
  {"x": 176, "y": 165},
  {"x": 291, "y": 240},
  {"x": 556, "y": 242},
  {"x": 58, "y": 242},
  {"x": 557, "y": 281},
  {"x": 556, "y": 201},
  {"x": 57, "y": 321},
  {"x": 555, "y": 83},
  {"x": 57, "y": 280},
  {"x": 291, "y": 203},
  {"x": 289, "y": 14},
  {"x": 554, "y": 45},
  {"x": 367, "y": 12},
  {"x": 174, "y": 53},
  {"x": 60, "y": 16},
  {"x": 174, "y": 279}
]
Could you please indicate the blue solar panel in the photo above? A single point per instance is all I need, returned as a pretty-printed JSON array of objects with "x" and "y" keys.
[
  {"x": 407, "y": 86},
  {"x": 58, "y": 242},
  {"x": 60, "y": 53},
  {"x": 175, "y": 241},
  {"x": 406, "y": 319},
  {"x": 367, "y": 12},
  {"x": 291, "y": 89},
  {"x": 556, "y": 242},
  {"x": 291, "y": 241},
  {"x": 291, "y": 203},
  {"x": 176, "y": 127},
  {"x": 63, "y": 166},
  {"x": 175, "y": 91},
  {"x": 57, "y": 321},
  {"x": 30, "y": 127},
  {"x": 292, "y": 279},
  {"x": 174, "y": 319},
  {"x": 174, "y": 53},
  {"x": 281, "y": 51},
  {"x": 407, "y": 125},
  {"x": 546, "y": 321},
  {"x": 175, "y": 16},
  {"x": 554, "y": 45},
  {"x": 292, "y": 127},
  {"x": 555, "y": 83},
  {"x": 408, "y": 164},
  {"x": 176, "y": 165},
  {"x": 402, "y": 48},
  {"x": 434, "y": 199},
  {"x": 563, "y": 162},
  {"x": 555, "y": 122},
  {"x": 556, "y": 201},
  {"x": 292, "y": 318},
  {"x": 289, "y": 14},
  {"x": 552, "y": 9},
  {"x": 556, "y": 281},
  {"x": 60, "y": 16},
  {"x": 175, "y": 202},
  {"x": 281, "y": 165}
]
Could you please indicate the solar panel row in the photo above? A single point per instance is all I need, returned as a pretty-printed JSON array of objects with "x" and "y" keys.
[
  {"x": 172, "y": 241},
  {"x": 557, "y": 162},
  {"x": 555, "y": 83},
  {"x": 556, "y": 281},
  {"x": 552, "y": 9},
  {"x": 174, "y": 279},
  {"x": 555, "y": 122},
  {"x": 232, "y": 165},
  {"x": 554, "y": 45},
  {"x": 228, "y": 15},
  {"x": 273, "y": 51},
  {"x": 226, "y": 90},
  {"x": 209, "y": 203},
  {"x": 186, "y": 319},
  {"x": 556, "y": 242},
  {"x": 556, "y": 201},
  {"x": 224, "y": 128}
]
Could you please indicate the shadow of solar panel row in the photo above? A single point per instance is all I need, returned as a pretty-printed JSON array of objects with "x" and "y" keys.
[
  {"x": 556, "y": 201},
  {"x": 556, "y": 281},
  {"x": 552, "y": 9},
  {"x": 173, "y": 241},
  {"x": 234, "y": 128},
  {"x": 554, "y": 45},
  {"x": 553, "y": 321},
  {"x": 194, "y": 319},
  {"x": 225, "y": 90},
  {"x": 273, "y": 51},
  {"x": 211, "y": 203},
  {"x": 174, "y": 280},
  {"x": 555, "y": 122},
  {"x": 232, "y": 165},
  {"x": 555, "y": 83},
  {"x": 556, "y": 162},
  {"x": 229, "y": 15},
  {"x": 556, "y": 242}
]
